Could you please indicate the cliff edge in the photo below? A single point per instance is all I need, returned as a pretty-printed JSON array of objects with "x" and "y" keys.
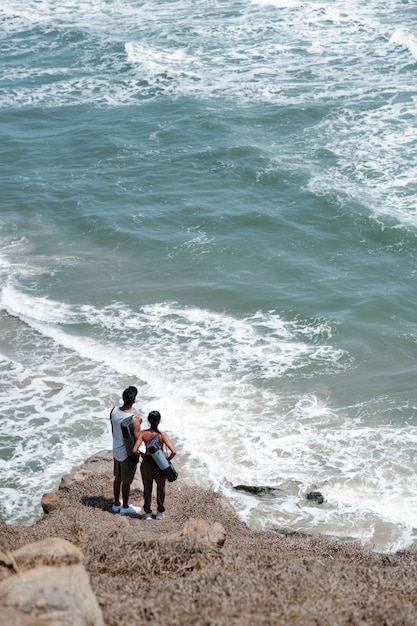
[{"x": 199, "y": 566}]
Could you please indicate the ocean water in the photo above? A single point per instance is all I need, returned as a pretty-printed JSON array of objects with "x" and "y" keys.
[{"x": 216, "y": 202}]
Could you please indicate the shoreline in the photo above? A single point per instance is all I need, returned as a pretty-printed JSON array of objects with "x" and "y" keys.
[{"x": 231, "y": 575}]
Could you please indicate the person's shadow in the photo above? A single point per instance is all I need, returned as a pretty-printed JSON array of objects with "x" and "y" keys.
[{"x": 98, "y": 502}]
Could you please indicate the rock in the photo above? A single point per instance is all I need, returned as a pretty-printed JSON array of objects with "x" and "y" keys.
[
  {"x": 258, "y": 491},
  {"x": 98, "y": 464},
  {"x": 315, "y": 496},
  {"x": 49, "y": 502},
  {"x": 7, "y": 559},
  {"x": 52, "y": 551},
  {"x": 13, "y": 617},
  {"x": 61, "y": 596},
  {"x": 76, "y": 478},
  {"x": 199, "y": 531}
]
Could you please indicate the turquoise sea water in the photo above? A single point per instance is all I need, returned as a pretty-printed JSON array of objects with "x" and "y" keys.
[{"x": 216, "y": 202}]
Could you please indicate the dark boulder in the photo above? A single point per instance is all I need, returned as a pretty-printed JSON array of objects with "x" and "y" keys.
[
  {"x": 315, "y": 496},
  {"x": 257, "y": 491}
]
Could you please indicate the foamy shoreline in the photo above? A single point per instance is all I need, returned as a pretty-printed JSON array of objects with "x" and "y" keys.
[{"x": 253, "y": 578}]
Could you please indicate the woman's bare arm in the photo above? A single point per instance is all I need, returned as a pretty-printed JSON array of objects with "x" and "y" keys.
[
  {"x": 137, "y": 443},
  {"x": 167, "y": 441}
]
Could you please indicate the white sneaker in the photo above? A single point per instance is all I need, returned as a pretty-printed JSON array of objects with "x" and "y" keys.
[
  {"x": 130, "y": 510},
  {"x": 147, "y": 516},
  {"x": 159, "y": 515},
  {"x": 116, "y": 508}
]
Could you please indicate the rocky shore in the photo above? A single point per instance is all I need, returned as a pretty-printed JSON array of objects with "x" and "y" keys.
[{"x": 82, "y": 565}]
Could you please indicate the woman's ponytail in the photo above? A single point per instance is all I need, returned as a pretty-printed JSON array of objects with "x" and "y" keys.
[{"x": 154, "y": 418}]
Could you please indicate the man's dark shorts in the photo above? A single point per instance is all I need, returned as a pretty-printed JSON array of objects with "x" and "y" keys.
[{"x": 125, "y": 470}]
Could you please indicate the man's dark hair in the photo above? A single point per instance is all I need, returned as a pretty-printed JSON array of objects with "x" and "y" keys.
[{"x": 129, "y": 395}]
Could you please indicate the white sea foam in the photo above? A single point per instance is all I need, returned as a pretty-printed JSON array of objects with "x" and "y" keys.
[
  {"x": 209, "y": 375},
  {"x": 266, "y": 51},
  {"x": 372, "y": 149},
  {"x": 220, "y": 381},
  {"x": 254, "y": 54},
  {"x": 405, "y": 38},
  {"x": 214, "y": 379}
]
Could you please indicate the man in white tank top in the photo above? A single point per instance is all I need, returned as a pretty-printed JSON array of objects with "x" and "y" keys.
[{"x": 124, "y": 470}]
